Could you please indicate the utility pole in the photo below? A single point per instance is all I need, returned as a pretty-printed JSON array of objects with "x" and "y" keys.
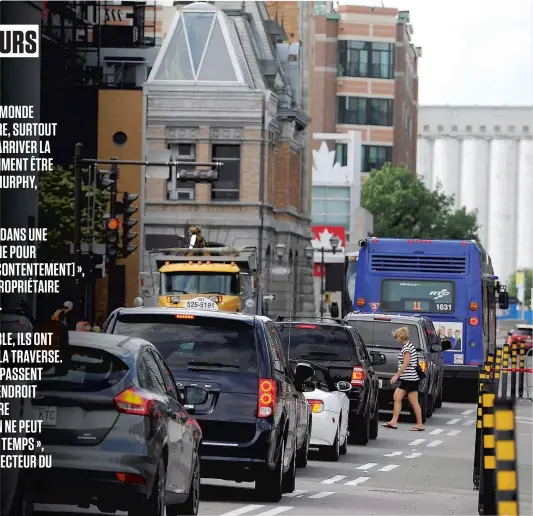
[
  {"x": 111, "y": 266},
  {"x": 77, "y": 231}
]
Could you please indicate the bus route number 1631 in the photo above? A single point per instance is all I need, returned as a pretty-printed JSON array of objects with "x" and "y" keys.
[{"x": 444, "y": 307}]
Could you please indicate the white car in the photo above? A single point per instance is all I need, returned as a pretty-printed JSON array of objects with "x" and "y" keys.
[{"x": 329, "y": 408}]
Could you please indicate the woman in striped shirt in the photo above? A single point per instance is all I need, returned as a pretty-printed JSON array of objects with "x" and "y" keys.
[{"x": 409, "y": 380}]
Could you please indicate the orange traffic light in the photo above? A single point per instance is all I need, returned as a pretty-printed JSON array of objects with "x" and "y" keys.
[{"x": 113, "y": 224}]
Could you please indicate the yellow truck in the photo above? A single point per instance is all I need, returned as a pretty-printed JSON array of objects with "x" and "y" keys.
[{"x": 197, "y": 277}]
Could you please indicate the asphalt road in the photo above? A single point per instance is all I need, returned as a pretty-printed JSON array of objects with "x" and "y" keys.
[{"x": 402, "y": 472}]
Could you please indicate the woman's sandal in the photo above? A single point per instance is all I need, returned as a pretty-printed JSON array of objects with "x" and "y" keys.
[
  {"x": 415, "y": 429},
  {"x": 388, "y": 425}
]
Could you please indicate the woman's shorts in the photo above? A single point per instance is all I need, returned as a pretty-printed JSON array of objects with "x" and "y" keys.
[{"x": 408, "y": 386}]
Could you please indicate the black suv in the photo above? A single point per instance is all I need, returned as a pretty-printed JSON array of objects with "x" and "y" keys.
[
  {"x": 376, "y": 330},
  {"x": 255, "y": 423},
  {"x": 340, "y": 348}
]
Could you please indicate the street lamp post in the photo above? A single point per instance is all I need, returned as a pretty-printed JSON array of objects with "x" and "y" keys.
[{"x": 334, "y": 243}]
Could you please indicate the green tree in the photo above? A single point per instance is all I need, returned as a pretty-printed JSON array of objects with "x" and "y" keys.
[
  {"x": 511, "y": 285},
  {"x": 404, "y": 208},
  {"x": 56, "y": 211}
]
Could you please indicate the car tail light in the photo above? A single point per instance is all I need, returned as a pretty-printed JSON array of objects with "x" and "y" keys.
[
  {"x": 358, "y": 376},
  {"x": 131, "y": 401},
  {"x": 266, "y": 402},
  {"x": 317, "y": 406},
  {"x": 183, "y": 316},
  {"x": 308, "y": 326},
  {"x": 381, "y": 318},
  {"x": 128, "y": 478},
  {"x": 423, "y": 365},
  {"x": 361, "y": 301}
]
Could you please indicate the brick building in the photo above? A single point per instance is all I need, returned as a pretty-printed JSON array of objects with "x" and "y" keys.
[{"x": 224, "y": 88}]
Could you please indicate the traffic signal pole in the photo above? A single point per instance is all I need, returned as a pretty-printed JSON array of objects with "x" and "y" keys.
[{"x": 77, "y": 232}]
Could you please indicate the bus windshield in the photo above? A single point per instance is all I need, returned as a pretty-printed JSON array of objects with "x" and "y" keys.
[
  {"x": 199, "y": 283},
  {"x": 434, "y": 297},
  {"x": 351, "y": 270}
]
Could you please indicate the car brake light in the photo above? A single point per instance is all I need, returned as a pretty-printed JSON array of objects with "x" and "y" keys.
[
  {"x": 374, "y": 240},
  {"x": 361, "y": 301},
  {"x": 473, "y": 321},
  {"x": 131, "y": 401},
  {"x": 381, "y": 318},
  {"x": 423, "y": 365},
  {"x": 266, "y": 401},
  {"x": 308, "y": 326},
  {"x": 358, "y": 376},
  {"x": 128, "y": 478},
  {"x": 182, "y": 316},
  {"x": 317, "y": 406}
]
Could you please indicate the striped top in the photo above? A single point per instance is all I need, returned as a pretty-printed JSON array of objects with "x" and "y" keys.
[{"x": 410, "y": 374}]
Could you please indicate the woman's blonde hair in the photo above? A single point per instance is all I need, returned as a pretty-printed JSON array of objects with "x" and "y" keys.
[{"x": 401, "y": 334}]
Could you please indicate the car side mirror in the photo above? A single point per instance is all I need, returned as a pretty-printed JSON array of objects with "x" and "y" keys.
[
  {"x": 343, "y": 386},
  {"x": 378, "y": 358},
  {"x": 194, "y": 396},
  {"x": 446, "y": 345},
  {"x": 436, "y": 348},
  {"x": 303, "y": 373}
]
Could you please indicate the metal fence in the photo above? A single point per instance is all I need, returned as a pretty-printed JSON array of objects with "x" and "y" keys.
[{"x": 506, "y": 378}]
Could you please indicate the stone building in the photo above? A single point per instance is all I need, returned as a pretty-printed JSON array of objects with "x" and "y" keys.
[{"x": 221, "y": 89}]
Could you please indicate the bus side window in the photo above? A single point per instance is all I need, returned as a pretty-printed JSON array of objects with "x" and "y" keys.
[
  {"x": 485, "y": 315},
  {"x": 492, "y": 317}
]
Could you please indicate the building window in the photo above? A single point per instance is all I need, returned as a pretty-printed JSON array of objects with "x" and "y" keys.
[
  {"x": 364, "y": 111},
  {"x": 468, "y": 128},
  {"x": 341, "y": 154},
  {"x": 227, "y": 188},
  {"x": 375, "y": 156},
  {"x": 440, "y": 128},
  {"x": 426, "y": 128},
  {"x": 525, "y": 129},
  {"x": 482, "y": 128},
  {"x": 496, "y": 128},
  {"x": 331, "y": 205},
  {"x": 511, "y": 128},
  {"x": 454, "y": 128},
  {"x": 365, "y": 59},
  {"x": 123, "y": 75},
  {"x": 178, "y": 191}
]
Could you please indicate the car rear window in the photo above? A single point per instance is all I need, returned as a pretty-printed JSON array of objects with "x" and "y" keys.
[
  {"x": 379, "y": 333},
  {"x": 316, "y": 342},
  {"x": 203, "y": 342},
  {"x": 527, "y": 332},
  {"x": 85, "y": 370}
]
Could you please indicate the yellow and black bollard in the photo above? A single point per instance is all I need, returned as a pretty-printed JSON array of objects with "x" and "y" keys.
[
  {"x": 479, "y": 423},
  {"x": 514, "y": 356},
  {"x": 506, "y": 473},
  {"x": 505, "y": 370},
  {"x": 487, "y": 499},
  {"x": 498, "y": 366},
  {"x": 521, "y": 365}
]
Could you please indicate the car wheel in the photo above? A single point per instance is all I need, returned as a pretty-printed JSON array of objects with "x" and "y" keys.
[
  {"x": 288, "y": 484},
  {"x": 155, "y": 504},
  {"x": 332, "y": 453},
  {"x": 359, "y": 430},
  {"x": 430, "y": 407},
  {"x": 190, "y": 506},
  {"x": 374, "y": 424},
  {"x": 343, "y": 450},
  {"x": 303, "y": 452},
  {"x": 268, "y": 486},
  {"x": 438, "y": 400}
]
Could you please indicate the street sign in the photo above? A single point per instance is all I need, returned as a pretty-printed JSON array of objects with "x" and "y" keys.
[
  {"x": 280, "y": 271},
  {"x": 269, "y": 297},
  {"x": 201, "y": 303}
]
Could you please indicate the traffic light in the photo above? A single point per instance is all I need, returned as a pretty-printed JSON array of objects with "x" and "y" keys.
[
  {"x": 103, "y": 179},
  {"x": 112, "y": 225},
  {"x": 198, "y": 176},
  {"x": 127, "y": 211}
]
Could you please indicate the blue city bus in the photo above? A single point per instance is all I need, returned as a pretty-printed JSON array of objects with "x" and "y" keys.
[{"x": 450, "y": 281}]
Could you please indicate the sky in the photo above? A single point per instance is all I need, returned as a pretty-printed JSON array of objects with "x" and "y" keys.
[{"x": 473, "y": 51}]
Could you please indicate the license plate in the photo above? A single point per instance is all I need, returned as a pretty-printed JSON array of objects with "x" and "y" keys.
[
  {"x": 48, "y": 415},
  {"x": 380, "y": 383}
]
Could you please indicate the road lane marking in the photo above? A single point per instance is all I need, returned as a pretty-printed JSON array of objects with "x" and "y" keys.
[
  {"x": 453, "y": 433},
  {"x": 467, "y": 412},
  {"x": 525, "y": 417},
  {"x": 321, "y": 495},
  {"x": 526, "y": 422},
  {"x": 275, "y": 510},
  {"x": 243, "y": 510},
  {"x": 413, "y": 455},
  {"x": 357, "y": 481},
  {"x": 416, "y": 442},
  {"x": 296, "y": 493},
  {"x": 388, "y": 467},
  {"x": 436, "y": 431},
  {"x": 453, "y": 421},
  {"x": 469, "y": 422},
  {"x": 334, "y": 479},
  {"x": 393, "y": 454},
  {"x": 434, "y": 444},
  {"x": 365, "y": 467}
]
